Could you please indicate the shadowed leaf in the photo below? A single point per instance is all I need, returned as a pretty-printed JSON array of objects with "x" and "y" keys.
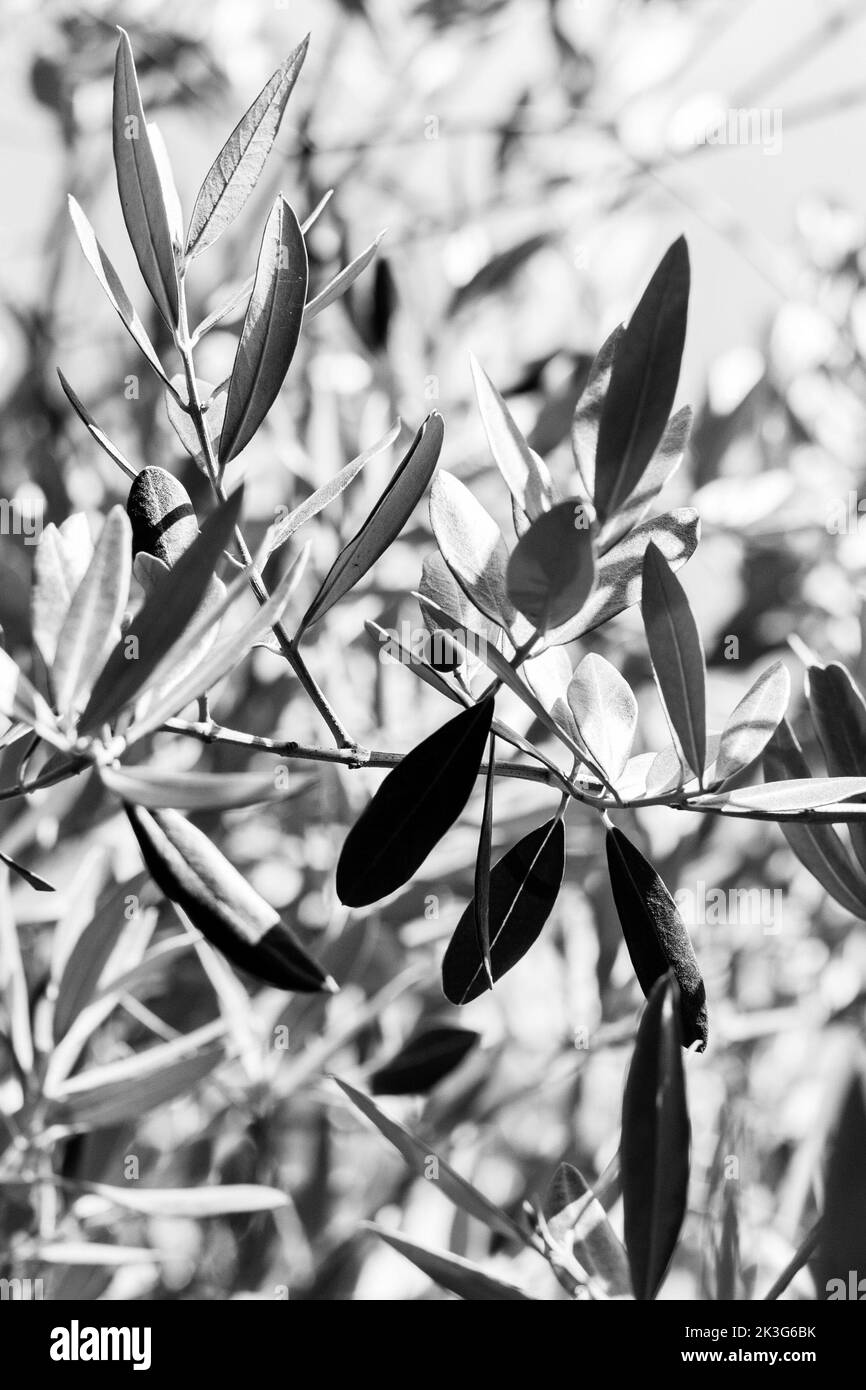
[
  {"x": 413, "y": 808},
  {"x": 452, "y": 1272},
  {"x": 524, "y": 886},
  {"x": 551, "y": 570},
  {"x": 654, "y": 1148},
  {"x": 677, "y": 656},
  {"x": 424, "y": 1061}
]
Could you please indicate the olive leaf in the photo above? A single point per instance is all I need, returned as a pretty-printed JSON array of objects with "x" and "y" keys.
[
  {"x": 524, "y": 886},
  {"x": 235, "y": 171},
  {"x": 385, "y": 522},
  {"x": 92, "y": 623},
  {"x": 587, "y": 415},
  {"x": 192, "y": 873},
  {"x": 140, "y": 187},
  {"x": 753, "y": 722},
  {"x": 842, "y": 1241},
  {"x": 643, "y": 383},
  {"x": 818, "y": 847},
  {"x": 452, "y": 1272},
  {"x": 170, "y": 607},
  {"x": 93, "y": 429},
  {"x": 414, "y": 807},
  {"x": 677, "y": 656},
  {"x": 426, "y": 1059},
  {"x": 654, "y": 1148},
  {"x": 619, "y": 574},
  {"x": 605, "y": 713},
  {"x": 551, "y": 571},
  {"x": 839, "y": 714},
  {"x": 472, "y": 547},
  {"x": 524, "y": 472},
  {"x": 270, "y": 333},
  {"x": 655, "y": 934}
]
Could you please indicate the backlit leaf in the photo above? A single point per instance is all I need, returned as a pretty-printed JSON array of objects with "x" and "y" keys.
[
  {"x": 753, "y": 723},
  {"x": 605, "y": 713},
  {"x": 92, "y": 624},
  {"x": 522, "y": 469}
]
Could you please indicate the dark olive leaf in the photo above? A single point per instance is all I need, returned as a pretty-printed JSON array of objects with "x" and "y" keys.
[
  {"x": 654, "y": 1148},
  {"x": 414, "y": 807},
  {"x": 839, "y": 714},
  {"x": 40, "y": 884},
  {"x": 92, "y": 623},
  {"x": 753, "y": 723},
  {"x": 163, "y": 521},
  {"x": 170, "y": 607},
  {"x": 417, "y": 1154},
  {"x": 842, "y": 1243},
  {"x": 452, "y": 1272},
  {"x": 95, "y": 432},
  {"x": 385, "y": 522},
  {"x": 677, "y": 656},
  {"x": 236, "y": 169},
  {"x": 551, "y": 571},
  {"x": 655, "y": 934},
  {"x": 193, "y": 873},
  {"x": 472, "y": 547},
  {"x": 818, "y": 847},
  {"x": 524, "y": 472},
  {"x": 620, "y": 572},
  {"x": 425, "y": 1060},
  {"x": 659, "y": 471},
  {"x": 643, "y": 382},
  {"x": 584, "y": 429},
  {"x": 140, "y": 187},
  {"x": 270, "y": 332},
  {"x": 110, "y": 282},
  {"x": 578, "y": 1224},
  {"x": 481, "y": 902},
  {"x": 524, "y": 886},
  {"x": 498, "y": 271},
  {"x": 320, "y": 499}
]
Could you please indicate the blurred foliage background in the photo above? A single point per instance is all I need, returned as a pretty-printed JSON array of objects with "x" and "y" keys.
[{"x": 530, "y": 159}]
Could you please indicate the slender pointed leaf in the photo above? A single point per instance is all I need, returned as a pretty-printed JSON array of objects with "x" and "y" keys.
[
  {"x": 655, "y": 933},
  {"x": 659, "y": 471},
  {"x": 385, "y": 522},
  {"x": 159, "y": 789},
  {"x": 677, "y": 655},
  {"x": 818, "y": 847},
  {"x": 95, "y": 432},
  {"x": 193, "y": 873},
  {"x": 643, "y": 382},
  {"x": 417, "y": 1154},
  {"x": 584, "y": 429},
  {"x": 414, "y": 807},
  {"x": 481, "y": 903},
  {"x": 330, "y": 490},
  {"x": 578, "y": 1223},
  {"x": 270, "y": 332},
  {"x": 424, "y": 1061},
  {"x": 839, "y": 714},
  {"x": 341, "y": 282},
  {"x": 842, "y": 1243},
  {"x": 452, "y": 1272},
  {"x": 140, "y": 187},
  {"x": 110, "y": 282},
  {"x": 92, "y": 624},
  {"x": 236, "y": 169},
  {"x": 524, "y": 886},
  {"x": 166, "y": 613},
  {"x": 193, "y": 1203},
  {"x": 519, "y": 465},
  {"x": 654, "y": 1148},
  {"x": 753, "y": 723}
]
